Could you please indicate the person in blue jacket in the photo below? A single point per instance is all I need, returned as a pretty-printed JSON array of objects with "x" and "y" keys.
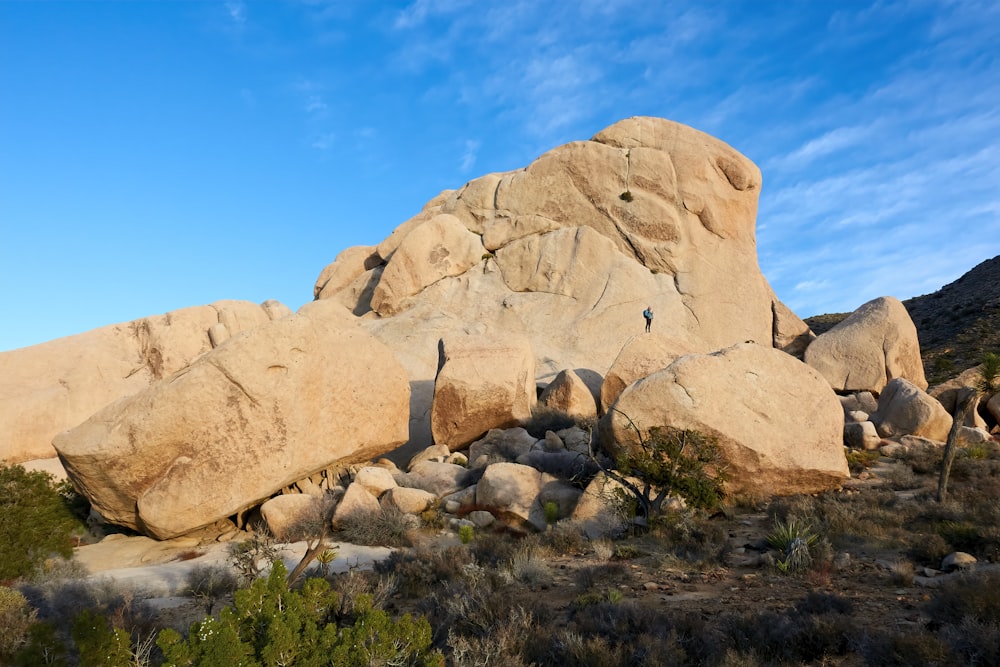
[{"x": 648, "y": 314}]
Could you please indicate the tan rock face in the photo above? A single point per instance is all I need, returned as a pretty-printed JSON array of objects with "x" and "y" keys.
[
  {"x": 876, "y": 343},
  {"x": 574, "y": 263},
  {"x": 569, "y": 394},
  {"x": 642, "y": 355},
  {"x": 778, "y": 424},
  {"x": 48, "y": 388},
  {"x": 483, "y": 383},
  {"x": 349, "y": 265},
  {"x": 993, "y": 406},
  {"x": 293, "y": 513},
  {"x": 523, "y": 491},
  {"x": 436, "y": 249},
  {"x": 289, "y": 399},
  {"x": 906, "y": 409}
]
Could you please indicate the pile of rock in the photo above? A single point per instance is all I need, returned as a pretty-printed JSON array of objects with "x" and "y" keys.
[{"x": 519, "y": 292}]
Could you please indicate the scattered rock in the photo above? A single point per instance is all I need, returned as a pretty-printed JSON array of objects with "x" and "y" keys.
[
  {"x": 905, "y": 409},
  {"x": 875, "y": 344},
  {"x": 958, "y": 560}
]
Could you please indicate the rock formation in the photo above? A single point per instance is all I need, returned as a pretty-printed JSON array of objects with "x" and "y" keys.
[
  {"x": 573, "y": 247},
  {"x": 284, "y": 401},
  {"x": 48, "y": 388},
  {"x": 905, "y": 409},
  {"x": 483, "y": 383},
  {"x": 778, "y": 424},
  {"x": 876, "y": 343}
]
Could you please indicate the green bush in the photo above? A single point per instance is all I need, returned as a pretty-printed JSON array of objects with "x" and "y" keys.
[
  {"x": 16, "y": 617},
  {"x": 35, "y": 521},
  {"x": 670, "y": 462},
  {"x": 100, "y": 644},
  {"x": 271, "y": 624}
]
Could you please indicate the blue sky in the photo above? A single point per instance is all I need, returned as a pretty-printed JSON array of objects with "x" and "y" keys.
[{"x": 158, "y": 155}]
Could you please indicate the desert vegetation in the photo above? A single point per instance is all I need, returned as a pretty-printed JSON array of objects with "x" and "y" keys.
[{"x": 851, "y": 577}]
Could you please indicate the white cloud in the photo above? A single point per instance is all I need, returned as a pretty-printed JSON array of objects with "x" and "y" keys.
[
  {"x": 470, "y": 154},
  {"x": 832, "y": 141},
  {"x": 237, "y": 11},
  {"x": 315, "y": 105},
  {"x": 324, "y": 142}
]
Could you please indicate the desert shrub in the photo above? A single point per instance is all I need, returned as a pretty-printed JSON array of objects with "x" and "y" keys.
[
  {"x": 16, "y": 617},
  {"x": 604, "y": 549},
  {"x": 989, "y": 374},
  {"x": 388, "y": 527},
  {"x": 60, "y": 601},
  {"x": 493, "y": 549},
  {"x": 565, "y": 538},
  {"x": 43, "y": 647},
  {"x": 977, "y": 642},
  {"x": 209, "y": 583},
  {"x": 788, "y": 638},
  {"x": 98, "y": 643},
  {"x": 890, "y": 648},
  {"x": 975, "y": 596},
  {"x": 901, "y": 573},
  {"x": 873, "y": 517},
  {"x": 923, "y": 460},
  {"x": 36, "y": 521},
  {"x": 591, "y": 576},
  {"x": 500, "y": 645},
  {"x": 630, "y": 634},
  {"x": 251, "y": 556},
  {"x": 928, "y": 549},
  {"x": 525, "y": 566},
  {"x": 861, "y": 459},
  {"x": 358, "y": 587},
  {"x": 691, "y": 536},
  {"x": 272, "y": 624},
  {"x": 422, "y": 571},
  {"x": 824, "y": 603},
  {"x": 793, "y": 540},
  {"x": 668, "y": 462}
]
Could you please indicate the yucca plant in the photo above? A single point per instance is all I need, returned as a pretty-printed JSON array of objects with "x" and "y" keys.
[{"x": 793, "y": 539}]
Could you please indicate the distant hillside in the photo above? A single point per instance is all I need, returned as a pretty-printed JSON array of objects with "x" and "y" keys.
[{"x": 955, "y": 324}]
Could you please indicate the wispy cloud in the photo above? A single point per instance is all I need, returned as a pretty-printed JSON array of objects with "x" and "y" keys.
[
  {"x": 470, "y": 154},
  {"x": 832, "y": 141},
  {"x": 237, "y": 11},
  {"x": 324, "y": 142}
]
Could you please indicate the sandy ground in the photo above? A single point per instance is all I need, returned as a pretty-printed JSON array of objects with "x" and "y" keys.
[{"x": 155, "y": 569}]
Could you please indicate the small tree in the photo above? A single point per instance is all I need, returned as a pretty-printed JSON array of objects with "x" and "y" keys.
[
  {"x": 35, "y": 521},
  {"x": 667, "y": 462},
  {"x": 987, "y": 385}
]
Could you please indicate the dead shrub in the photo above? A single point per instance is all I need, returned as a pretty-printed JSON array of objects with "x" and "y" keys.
[
  {"x": 975, "y": 596},
  {"x": 422, "y": 571},
  {"x": 389, "y": 527}
]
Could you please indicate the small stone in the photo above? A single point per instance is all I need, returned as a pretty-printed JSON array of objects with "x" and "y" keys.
[{"x": 959, "y": 560}]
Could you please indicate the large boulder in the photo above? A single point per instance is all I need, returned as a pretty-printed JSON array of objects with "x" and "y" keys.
[
  {"x": 436, "y": 249},
  {"x": 570, "y": 260},
  {"x": 522, "y": 491},
  {"x": 873, "y": 345},
  {"x": 640, "y": 356},
  {"x": 570, "y": 395},
  {"x": 349, "y": 265},
  {"x": 266, "y": 409},
  {"x": 483, "y": 383},
  {"x": 295, "y": 515},
  {"x": 48, "y": 388},
  {"x": 778, "y": 424},
  {"x": 906, "y": 409}
]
